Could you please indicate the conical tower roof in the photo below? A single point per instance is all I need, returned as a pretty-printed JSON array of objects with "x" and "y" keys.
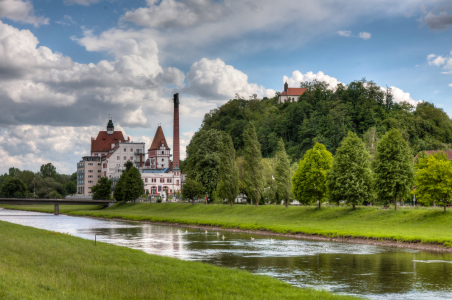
[{"x": 159, "y": 139}]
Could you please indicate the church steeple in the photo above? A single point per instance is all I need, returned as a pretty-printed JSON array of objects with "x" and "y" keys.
[
  {"x": 286, "y": 86},
  {"x": 110, "y": 127}
]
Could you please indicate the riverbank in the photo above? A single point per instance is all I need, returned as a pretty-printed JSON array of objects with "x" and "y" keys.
[
  {"x": 417, "y": 228},
  {"x": 40, "y": 264}
]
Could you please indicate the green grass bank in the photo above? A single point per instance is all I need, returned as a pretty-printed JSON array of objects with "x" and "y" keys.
[
  {"x": 40, "y": 264},
  {"x": 419, "y": 225}
]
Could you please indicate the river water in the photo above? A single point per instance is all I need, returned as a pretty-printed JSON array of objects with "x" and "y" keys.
[{"x": 372, "y": 271}]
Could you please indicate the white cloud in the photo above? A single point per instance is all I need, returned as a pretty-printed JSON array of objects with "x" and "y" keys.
[
  {"x": 346, "y": 33},
  {"x": 215, "y": 80},
  {"x": 20, "y": 11},
  {"x": 66, "y": 21},
  {"x": 365, "y": 35},
  {"x": 401, "y": 96},
  {"x": 450, "y": 85},
  {"x": 28, "y": 147},
  {"x": 298, "y": 77},
  {"x": 81, "y": 2},
  {"x": 438, "y": 21},
  {"x": 172, "y": 13},
  {"x": 441, "y": 61}
]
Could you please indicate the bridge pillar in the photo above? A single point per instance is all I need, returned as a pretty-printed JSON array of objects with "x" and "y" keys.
[{"x": 57, "y": 210}]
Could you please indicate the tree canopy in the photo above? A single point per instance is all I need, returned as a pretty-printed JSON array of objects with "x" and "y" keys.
[
  {"x": 282, "y": 174},
  {"x": 228, "y": 187},
  {"x": 102, "y": 190},
  {"x": 252, "y": 167},
  {"x": 350, "y": 178},
  {"x": 327, "y": 113},
  {"x": 309, "y": 180},
  {"x": 393, "y": 167}
]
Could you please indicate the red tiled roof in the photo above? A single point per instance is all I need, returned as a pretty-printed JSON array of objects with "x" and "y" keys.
[
  {"x": 104, "y": 140},
  {"x": 293, "y": 92},
  {"x": 448, "y": 153},
  {"x": 159, "y": 139}
]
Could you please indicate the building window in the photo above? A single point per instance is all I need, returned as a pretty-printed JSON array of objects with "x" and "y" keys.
[
  {"x": 99, "y": 164},
  {"x": 98, "y": 171},
  {"x": 153, "y": 180},
  {"x": 163, "y": 152},
  {"x": 125, "y": 150},
  {"x": 117, "y": 158},
  {"x": 90, "y": 171},
  {"x": 98, "y": 176},
  {"x": 131, "y": 158},
  {"x": 169, "y": 180},
  {"x": 90, "y": 181},
  {"x": 131, "y": 149},
  {"x": 105, "y": 165},
  {"x": 177, "y": 182},
  {"x": 90, "y": 176},
  {"x": 125, "y": 158},
  {"x": 163, "y": 159},
  {"x": 90, "y": 164},
  {"x": 89, "y": 188},
  {"x": 162, "y": 179},
  {"x": 145, "y": 180}
]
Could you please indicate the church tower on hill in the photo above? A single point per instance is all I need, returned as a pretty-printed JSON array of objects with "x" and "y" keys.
[{"x": 159, "y": 152}]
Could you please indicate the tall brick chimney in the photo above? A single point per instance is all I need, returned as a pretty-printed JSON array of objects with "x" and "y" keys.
[{"x": 176, "y": 132}]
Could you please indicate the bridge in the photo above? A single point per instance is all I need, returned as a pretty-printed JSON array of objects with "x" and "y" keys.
[{"x": 56, "y": 202}]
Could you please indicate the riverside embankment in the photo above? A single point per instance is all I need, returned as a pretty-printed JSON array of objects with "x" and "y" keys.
[
  {"x": 418, "y": 228},
  {"x": 41, "y": 264}
]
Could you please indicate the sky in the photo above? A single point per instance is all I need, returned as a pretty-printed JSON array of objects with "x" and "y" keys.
[{"x": 67, "y": 66}]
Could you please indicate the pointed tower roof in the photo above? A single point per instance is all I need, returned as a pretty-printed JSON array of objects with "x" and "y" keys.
[{"x": 159, "y": 139}]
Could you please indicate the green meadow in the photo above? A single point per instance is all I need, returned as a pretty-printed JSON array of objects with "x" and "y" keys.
[
  {"x": 424, "y": 225},
  {"x": 40, "y": 264}
]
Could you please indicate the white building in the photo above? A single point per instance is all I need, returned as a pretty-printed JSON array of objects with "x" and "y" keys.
[{"x": 290, "y": 94}]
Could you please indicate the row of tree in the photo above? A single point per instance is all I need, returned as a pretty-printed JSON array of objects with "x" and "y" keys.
[
  {"x": 47, "y": 183},
  {"x": 352, "y": 176}
]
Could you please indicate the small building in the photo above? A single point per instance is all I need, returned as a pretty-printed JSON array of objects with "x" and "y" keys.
[
  {"x": 88, "y": 173},
  {"x": 290, "y": 94}
]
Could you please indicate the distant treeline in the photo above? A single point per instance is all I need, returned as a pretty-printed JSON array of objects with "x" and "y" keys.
[
  {"x": 325, "y": 114},
  {"x": 47, "y": 183}
]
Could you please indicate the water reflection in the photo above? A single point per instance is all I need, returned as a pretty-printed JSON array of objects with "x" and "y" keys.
[{"x": 374, "y": 271}]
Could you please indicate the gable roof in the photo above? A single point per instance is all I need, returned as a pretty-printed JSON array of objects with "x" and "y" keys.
[
  {"x": 430, "y": 152},
  {"x": 104, "y": 140},
  {"x": 293, "y": 92},
  {"x": 159, "y": 139}
]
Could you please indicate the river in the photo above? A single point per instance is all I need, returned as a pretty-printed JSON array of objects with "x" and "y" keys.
[{"x": 372, "y": 271}]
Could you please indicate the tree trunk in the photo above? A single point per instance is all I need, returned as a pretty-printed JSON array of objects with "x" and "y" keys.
[
  {"x": 257, "y": 199},
  {"x": 231, "y": 202},
  {"x": 353, "y": 206},
  {"x": 444, "y": 207},
  {"x": 395, "y": 202},
  {"x": 287, "y": 203},
  {"x": 319, "y": 203}
]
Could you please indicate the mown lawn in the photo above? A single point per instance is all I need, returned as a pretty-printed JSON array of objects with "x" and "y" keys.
[{"x": 40, "y": 264}]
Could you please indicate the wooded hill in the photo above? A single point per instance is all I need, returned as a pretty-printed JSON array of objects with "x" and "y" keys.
[{"x": 325, "y": 114}]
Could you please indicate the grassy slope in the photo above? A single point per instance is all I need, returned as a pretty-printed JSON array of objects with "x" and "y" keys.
[
  {"x": 427, "y": 225},
  {"x": 40, "y": 264}
]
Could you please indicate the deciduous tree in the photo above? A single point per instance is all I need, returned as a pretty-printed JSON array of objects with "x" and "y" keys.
[
  {"x": 350, "y": 178},
  {"x": 133, "y": 185},
  {"x": 14, "y": 188},
  {"x": 393, "y": 167},
  {"x": 48, "y": 170},
  {"x": 254, "y": 181},
  {"x": 203, "y": 159},
  {"x": 102, "y": 190},
  {"x": 192, "y": 189},
  {"x": 282, "y": 174},
  {"x": 309, "y": 181},
  {"x": 434, "y": 179},
  {"x": 228, "y": 187}
]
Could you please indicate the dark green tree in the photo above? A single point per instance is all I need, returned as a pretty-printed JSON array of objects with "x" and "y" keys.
[
  {"x": 252, "y": 167},
  {"x": 14, "y": 188},
  {"x": 102, "y": 190},
  {"x": 203, "y": 159},
  {"x": 13, "y": 171},
  {"x": 192, "y": 189},
  {"x": 228, "y": 187},
  {"x": 282, "y": 174},
  {"x": 118, "y": 192},
  {"x": 71, "y": 187},
  {"x": 393, "y": 167},
  {"x": 48, "y": 170},
  {"x": 55, "y": 195},
  {"x": 128, "y": 165},
  {"x": 350, "y": 178},
  {"x": 133, "y": 186},
  {"x": 309, "y": 181}
]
